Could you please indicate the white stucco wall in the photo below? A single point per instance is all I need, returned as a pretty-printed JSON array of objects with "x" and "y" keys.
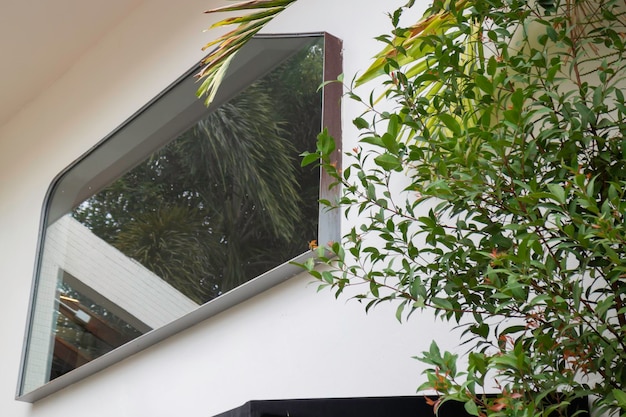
[{"x": 289, "y": 342}]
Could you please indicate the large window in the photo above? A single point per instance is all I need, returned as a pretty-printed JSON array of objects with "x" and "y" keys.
[{"x": 182, "y": 212}]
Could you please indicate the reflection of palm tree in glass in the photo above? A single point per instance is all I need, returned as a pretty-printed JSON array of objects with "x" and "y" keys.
[
  {"x": 221, "y": 204},
  {"x": 230, "y": 191}
]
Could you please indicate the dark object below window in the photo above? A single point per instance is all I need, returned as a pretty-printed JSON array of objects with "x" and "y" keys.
[{"x": 356, "y": 407}]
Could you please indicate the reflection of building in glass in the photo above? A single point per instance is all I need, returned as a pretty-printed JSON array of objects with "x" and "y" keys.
[
  {"x": 122, "y": 288},
  {"x": 84, "y": 331}
]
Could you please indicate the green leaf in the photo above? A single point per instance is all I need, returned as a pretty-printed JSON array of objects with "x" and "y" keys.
[
  {"x": 451, "y": 123},
  {"x": 512, "y": 116},
  {"x": 371, "y": 192},
  {"x": 399, "y": 311},
  {"x": 373, "y": 140},
  {"x": 492, "y": 65},
  {"x": 513, "y": 329},
  {"x": 620, "y": 397},
  {"x": 388, "y": 162},
  {"x": 374, "y": 286},
  {"x": 328, "y": 277},
  {"x": 434, "y": 351},
  {"x": 309, "y": 158},
  {"x": 325, "y": 143},
  {"x": 557, "y": 193},
  {"x": 361, "y": 123},
  {"x": 391, "y": 143},
  {"x": 471, "y": 408},
  {"x": 587, "y": 115},
  {"x": 517, "y": 98},
  {"x": 442, "y": 303},
  {"x": 484, "y": 84}
]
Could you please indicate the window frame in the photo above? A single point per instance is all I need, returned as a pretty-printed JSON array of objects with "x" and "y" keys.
[{"x": 328, "y": 230}]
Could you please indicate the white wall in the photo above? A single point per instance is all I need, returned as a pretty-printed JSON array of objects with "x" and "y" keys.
[{"x": 288, "y": 342}]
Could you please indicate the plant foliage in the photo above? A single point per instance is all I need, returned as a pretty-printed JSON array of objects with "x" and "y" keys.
[
  {"x": 494, "y": 193},
  {"x": 509, "y": 133},
  {"x": 216, "y": 63}
]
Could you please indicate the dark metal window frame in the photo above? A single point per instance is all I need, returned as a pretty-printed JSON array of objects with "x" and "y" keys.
[{"x": 329, "y": 228}]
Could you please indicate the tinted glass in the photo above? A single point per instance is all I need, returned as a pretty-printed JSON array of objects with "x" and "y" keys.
[{"x": 176, "y": 208}]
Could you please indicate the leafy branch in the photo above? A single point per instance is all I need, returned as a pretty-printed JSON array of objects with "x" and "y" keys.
[
  {"x": 514, "y": 206},
  {"x": 506, "y": 128}
]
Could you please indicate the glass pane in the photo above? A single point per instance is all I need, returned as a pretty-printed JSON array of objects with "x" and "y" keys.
[{"x": 218, "y": 203}]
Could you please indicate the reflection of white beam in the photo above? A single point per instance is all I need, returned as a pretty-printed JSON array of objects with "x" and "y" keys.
[
  {"x": 113, "y": 278},
  {"x": 79, "y": 314},
  {"x": 99, "y": 299}
]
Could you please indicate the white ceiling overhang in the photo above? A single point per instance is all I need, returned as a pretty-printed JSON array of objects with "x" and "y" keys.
[{"x": 40, "y": 40}]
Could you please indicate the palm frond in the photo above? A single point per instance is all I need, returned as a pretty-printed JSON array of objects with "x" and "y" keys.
[{"x": 216, "y": 63}]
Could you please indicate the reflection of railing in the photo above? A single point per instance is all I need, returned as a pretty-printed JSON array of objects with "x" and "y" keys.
[
  {"x": 71, "y": 353},
  {"x": 92, "y": 323}
]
